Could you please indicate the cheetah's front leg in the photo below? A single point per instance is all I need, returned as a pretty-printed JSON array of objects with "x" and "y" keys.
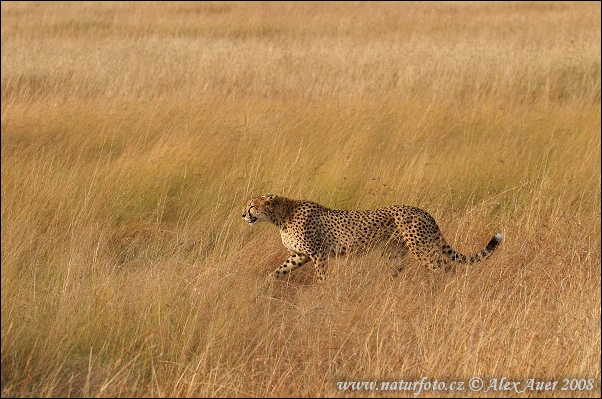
[
  {"x": 294, "y": 262},
  {"x": 320, "y": 265}
]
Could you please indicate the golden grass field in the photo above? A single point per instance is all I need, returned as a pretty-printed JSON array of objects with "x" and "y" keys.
[{"x": 134, "y": 133}]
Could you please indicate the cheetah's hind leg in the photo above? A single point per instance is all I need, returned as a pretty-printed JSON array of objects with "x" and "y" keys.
[{"x": 395, "y": 251}]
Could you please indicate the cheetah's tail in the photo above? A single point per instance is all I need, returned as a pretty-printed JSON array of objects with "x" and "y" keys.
[{"x": 484, "y": 254}]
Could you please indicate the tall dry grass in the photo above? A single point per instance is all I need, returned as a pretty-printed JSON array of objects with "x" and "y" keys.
[{"x": 133, "y": 134}]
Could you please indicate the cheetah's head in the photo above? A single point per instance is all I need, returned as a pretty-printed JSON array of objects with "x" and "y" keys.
[{"x": 259, "y": 209}]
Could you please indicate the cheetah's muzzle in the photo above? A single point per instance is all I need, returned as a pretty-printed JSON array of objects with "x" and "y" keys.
[{"x": 248, "y": 217}]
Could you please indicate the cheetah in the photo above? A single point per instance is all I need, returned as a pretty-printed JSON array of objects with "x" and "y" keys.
[{"x": 311, "y": 231}]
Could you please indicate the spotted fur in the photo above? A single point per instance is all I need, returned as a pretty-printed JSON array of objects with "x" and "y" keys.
[{"x": 311, "y": 231}]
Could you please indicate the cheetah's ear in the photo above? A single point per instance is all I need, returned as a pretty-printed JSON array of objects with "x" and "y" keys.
[{"x": 269, "y": 204}]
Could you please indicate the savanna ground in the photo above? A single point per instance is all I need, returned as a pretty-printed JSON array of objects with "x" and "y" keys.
[{"x": 134, "y": 133}]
